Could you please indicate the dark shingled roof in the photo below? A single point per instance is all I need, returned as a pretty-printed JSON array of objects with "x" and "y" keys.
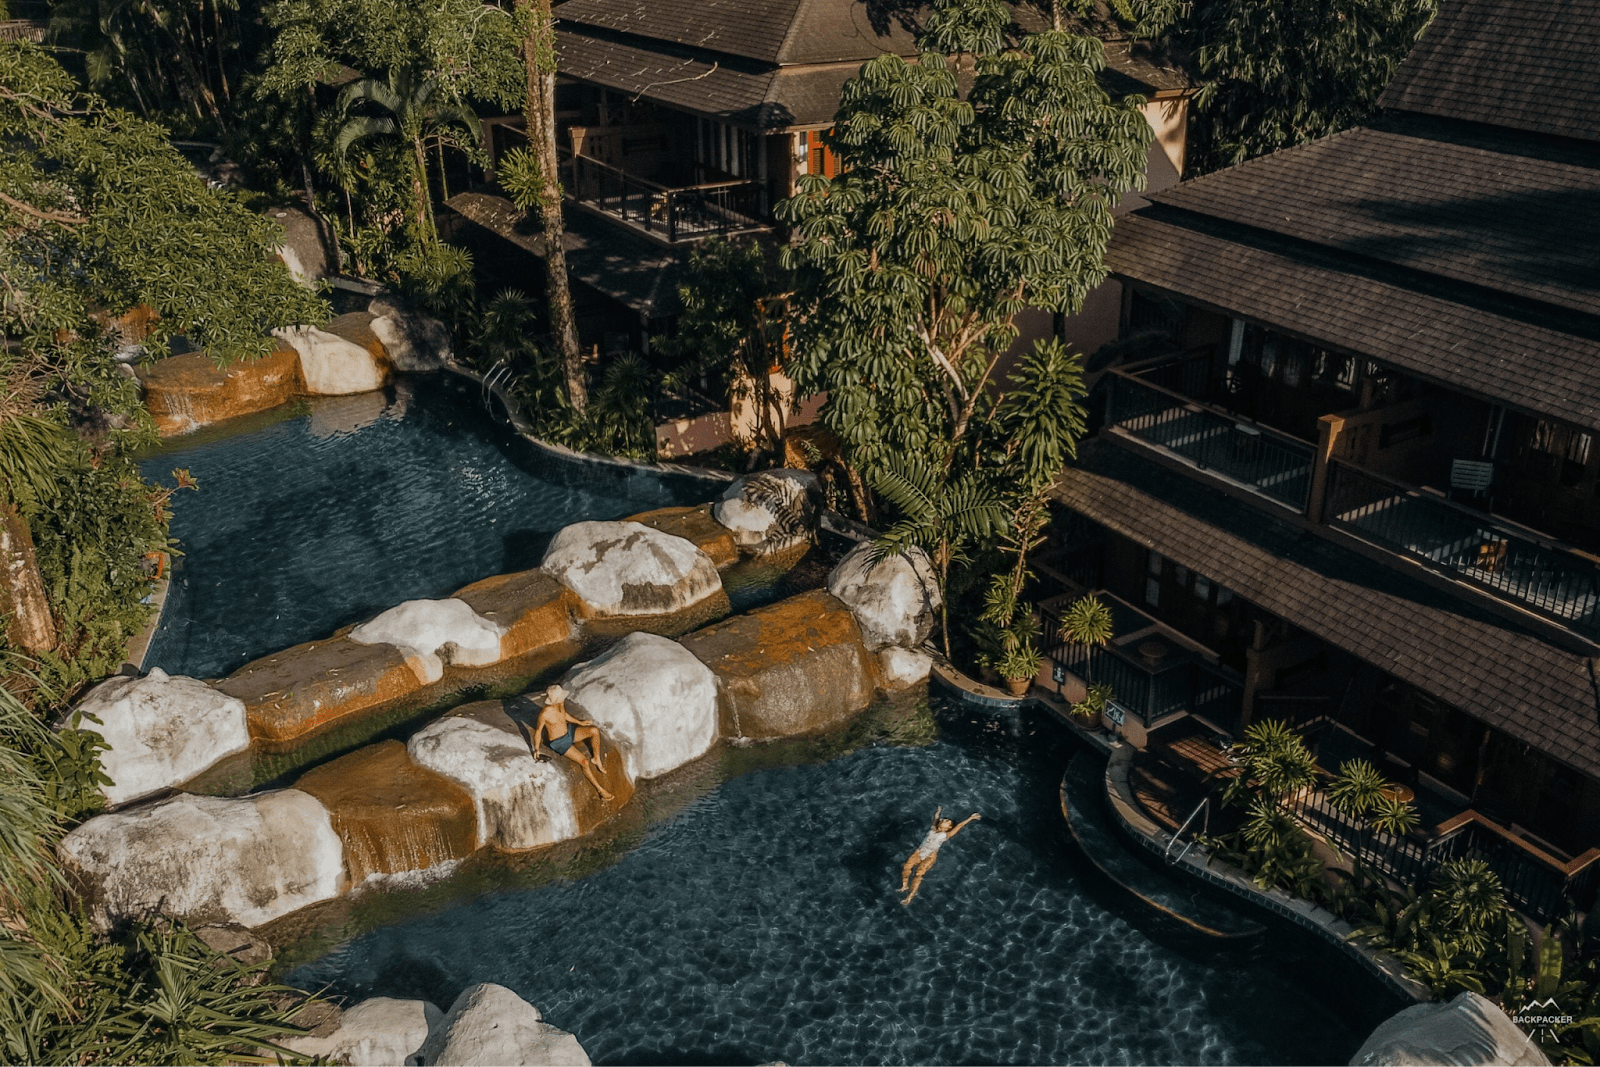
[
  {"x": 630, "y": 270},
  {"x": 738, "y": 92},
  {"x": 777, "y": 58},
  {"x": 1527, "y": 64},
  {"x": 1486, "y": 666},
  {"x": 1481, "y": 345},
  {"x": 1503, "y": 211}
]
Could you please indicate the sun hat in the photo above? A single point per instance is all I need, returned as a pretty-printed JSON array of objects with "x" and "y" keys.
[{"x": 555, "y": 694}]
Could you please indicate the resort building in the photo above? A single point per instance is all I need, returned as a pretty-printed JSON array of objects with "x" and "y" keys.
[
  {"x": 1346, "y": 471},
  {"x": 680, "y": 120}
]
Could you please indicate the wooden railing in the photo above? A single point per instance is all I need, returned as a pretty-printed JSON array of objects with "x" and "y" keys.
[{"x": 684, "y": 213}]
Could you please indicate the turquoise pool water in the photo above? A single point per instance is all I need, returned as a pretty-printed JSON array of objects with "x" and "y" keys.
[
  {"x": 761, "y": 924},
  {"x": 355, "y": 504}
]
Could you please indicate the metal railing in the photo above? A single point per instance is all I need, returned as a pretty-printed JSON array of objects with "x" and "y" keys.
[
  {"x": 1465, "y": 544},
  {"x": 1192, "y": 687},
  {"x": 1253, "y": 456},
  {"x": 678, "y": 214},
  {"x": 1540, "y": 887}
]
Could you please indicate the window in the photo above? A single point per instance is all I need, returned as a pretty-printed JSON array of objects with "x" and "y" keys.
[
  {"x": 1572, "y": 448},
  {"x": 1202, "y": 587}
]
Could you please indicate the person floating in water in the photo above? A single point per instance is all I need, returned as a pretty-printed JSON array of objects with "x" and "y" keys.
[
  {"x": 922, "y": 859},
  {"x": 566, "y": 733}
]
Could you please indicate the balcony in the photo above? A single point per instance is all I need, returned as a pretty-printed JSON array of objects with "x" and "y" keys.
[
  {"x": 1507, "y": 560},
  {"x": 1154, "y": 672},
  {"x": 667, "y": 213},
  {"x": 1156, "y": 406},
  {"x": 1255, "y": 457}
]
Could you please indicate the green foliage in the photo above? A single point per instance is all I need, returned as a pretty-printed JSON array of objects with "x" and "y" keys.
[
  {"x": 518, "y": 172},
  {"x": 1093, "y": 705},
  {"x": 1276, "y": 73},
  {"x": 1087, "y": 621},
  {"x": 732, "y": 327},
  {"x": 91, "y": 541},
  {"x": 1276, "y": 758}
]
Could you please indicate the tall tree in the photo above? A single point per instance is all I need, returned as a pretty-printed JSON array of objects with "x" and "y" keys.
[
  {"x": 953, "y": 214},
  {"x": 539, "y": 186},
  {"x": 1277, "y": 73},
  {"x": 106, "y": 236}
]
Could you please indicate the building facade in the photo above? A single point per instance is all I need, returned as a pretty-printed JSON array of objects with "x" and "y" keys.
[{"x": 1346, "y": 470}]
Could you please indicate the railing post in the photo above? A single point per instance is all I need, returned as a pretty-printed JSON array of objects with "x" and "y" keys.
[{"x": 1329, "y": 427}]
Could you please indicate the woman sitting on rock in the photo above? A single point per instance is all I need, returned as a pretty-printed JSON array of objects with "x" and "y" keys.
[
  {"x": 922, "y": 859},
  {"x": 565, "y": 732}
]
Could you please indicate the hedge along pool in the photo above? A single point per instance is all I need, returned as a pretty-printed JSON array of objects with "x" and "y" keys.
[
  {"x": 760, "y": 923},
  {"x": 325, "y": 513}
]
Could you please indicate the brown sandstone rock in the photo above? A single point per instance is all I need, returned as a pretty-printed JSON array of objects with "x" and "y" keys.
[
  {"x": 300, "y": 690},
  {"x": 518, "y": 715},
  {"x": 535, "y": 609},
  {"x": 186, "y": 392},
  {"x": 795, "y": 667},
  {"x": 392, "y": 815},
  {"x": 696, "y": 526}
]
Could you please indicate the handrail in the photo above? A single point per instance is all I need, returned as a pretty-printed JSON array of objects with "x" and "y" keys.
[
  {"x": 1222, "y": 412},
  {"x": 1567, "y": 868},
  {"x": 573, "y": 157},
  {"x": 1204, "y": 805}
]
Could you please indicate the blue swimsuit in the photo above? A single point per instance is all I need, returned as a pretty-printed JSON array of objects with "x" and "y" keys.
[{"x": 560, "y": 744}]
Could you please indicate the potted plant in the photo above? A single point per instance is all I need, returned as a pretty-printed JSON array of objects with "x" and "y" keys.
[
  {"x": 1088, "y": 711},
  {"x": 1017, "y": 665}
]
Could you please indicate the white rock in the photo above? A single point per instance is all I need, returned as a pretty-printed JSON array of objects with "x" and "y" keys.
[
  {"x": 521, "y": 803},
  {"x": 331, "y": 365},
  {"x": 162, "y": 731},
  {"x": 380, "y": 1032},
  {"x": 627, "y": 568},
  {"x": 1467, "y": 1031},
  {"x": 772, "y": 510},
  {"x": 432, "y": 633},
  {"x": 489, "y": 1024},
  {"x": 653, "y": 698},
  {"x": 895, "y": 598},
  {"x": 207, "y": 860},
  {"x": 413, "y": 342},
  {"x": 904, "y": 667}
]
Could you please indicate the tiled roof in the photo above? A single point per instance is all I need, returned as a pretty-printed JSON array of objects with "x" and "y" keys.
[
  {"x": 1502, "y": 211},
  {"x": 734, "y": 91},
  {"x": 1476, "y": 344},
  {"x": 630, "y": 270},
  {"x": 1528, "y": 64},
  {"x": 798, "y": 33},
  {"x": 1489, "y": 668}
]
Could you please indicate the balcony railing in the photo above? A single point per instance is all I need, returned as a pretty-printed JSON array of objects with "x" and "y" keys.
[
  {"x": 1149, "y": 691},
  {"x": 1275, "y": 465},
  {"x": 687, "y": 213},
  {"x": 1466, "y": 544},
  {"x": 1536, "y": 883}
]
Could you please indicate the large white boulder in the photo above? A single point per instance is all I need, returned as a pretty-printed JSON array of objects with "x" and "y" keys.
[
  {"x": 627, "y": 568},
  {"x": 902, "y": 668},
  {"x": 413, "y": 342},
  {"x": 895, "y": 597},
  {"x": 433, "y": 632},
  {"x": 162, "y": 731},
  {"x": 1469, "y": 1031},
  {"x": 331, "y": 365},
  {"x": 380, "y": 1032},
  {"x": 205, "y": 860},
  {"x": 771, "y": 511},
  {"x": 653, "y": 698},
  {"x": 489, "y": 1024},
  {"x": 521, "y": 802}
]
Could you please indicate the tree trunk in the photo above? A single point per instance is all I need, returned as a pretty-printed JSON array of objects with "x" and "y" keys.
[
  {"x": 428, "y": 235},
  {"x": 22, "y": 600},
  {"x": 538, "y": 54}
]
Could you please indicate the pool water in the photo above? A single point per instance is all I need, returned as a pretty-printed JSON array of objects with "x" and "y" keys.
[
  {"x": 762, "y": 924},
  {"x": 353, "y": 504}
]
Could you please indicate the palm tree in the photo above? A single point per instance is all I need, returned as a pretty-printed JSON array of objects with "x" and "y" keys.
[
  {"x": 938, "y": 513},
  {"x": 418, "y": 114},
  {"x": 30, "y": 446}
]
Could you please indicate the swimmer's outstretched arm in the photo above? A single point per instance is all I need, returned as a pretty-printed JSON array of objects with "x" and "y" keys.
[
  {"x": 936, "y": 814},
  {"x": 962, "y": 824}
]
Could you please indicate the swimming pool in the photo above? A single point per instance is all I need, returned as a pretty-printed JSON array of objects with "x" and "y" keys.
[
  {"x": 323, "y": 514},
  {"x": 760, "y": 924}
]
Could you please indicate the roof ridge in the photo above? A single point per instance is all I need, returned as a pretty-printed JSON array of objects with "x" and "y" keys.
[{"x": 796, "y": 17}]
